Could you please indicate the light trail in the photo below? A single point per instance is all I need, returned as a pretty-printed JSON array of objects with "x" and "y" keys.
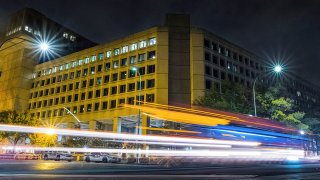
[
  {"x": 230, "y": 153},
  {"x": 109, "y": 135}
]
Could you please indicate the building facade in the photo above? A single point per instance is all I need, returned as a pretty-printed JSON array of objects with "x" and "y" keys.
[{"x": 175, "y": 64}]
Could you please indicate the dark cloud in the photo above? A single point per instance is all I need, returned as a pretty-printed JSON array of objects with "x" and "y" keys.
[{"x": 282, "y": 30}]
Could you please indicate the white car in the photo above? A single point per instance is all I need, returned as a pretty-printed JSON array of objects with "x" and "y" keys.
[
  {"x": 57, "y": 156},
  {"x": 101, "y": 157}
]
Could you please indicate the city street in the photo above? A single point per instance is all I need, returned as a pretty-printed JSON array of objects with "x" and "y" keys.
[{"x": 10, "y": 169}]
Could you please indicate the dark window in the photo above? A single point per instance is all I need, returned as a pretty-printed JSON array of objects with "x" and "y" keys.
[
  {"x": 130, "y": 100},
  {"x": 214, "y": 46},
  {"x": 121, "y": 101},
  {"x": 64, "y": 88},
  {"x": 77, "y": 85},
  {"x": 98, "y": 80},
  {"x": 81, "y": 108},
  {"x": 122, "y": 88},
  {"x": 140, "y": 99},
  {"x": 114, "y": 76},
  {"x": 208, "y": 70},
  {"x": 96, "y": 106},
  {"x": 59, "y": 78},
  {"x": 123, "y": 75},
  {"x": 58, "y": 89},
  {"x": 105, "y": 91},
  {"x": 235, "y": 56},
  {"x": 151, "y": 54},
  {"x": 123, "y": 62},
  {"x": 222, "y": 63},
  {"x": 241, "y": 70},
  {"x": 150, "y": 83},
  {"x": 70, "y": 87},
  {"x": 76, "y": 97},
  {"x": 113, "y": 104},
  {"x": 206, "y": 43},
  {"x": 230, "y": 77},
  {"x": 106, "y": 79},
  {"x": 131, "y": 73},
  {"x": 208, "y": 84},
  {"x": 53, "y": 80},
  {"x": 90, "y": 94},
  {"x": 132, "y": 59},
  {"x": 65, "y": 77},
  {"x": 223, "y": 75},
  {"x": 240, "y": 58},
  {"x": 99, "y": 69},
  {"x": 114, "y": 90},
  {"x": 74, "y": 110},
  {"x": 207, "y": 56},
  {"x": 42, "y": 82},
  {"x": 141, "y": 57},
  {"x": 107, "y": 66},
  {"x": 131, "y": 87},
  {"x": 46, "y": 92},
  {"x": 69, "y": 98},
  {"x": 91, "y": 82},
  {"x": 142, "y": 71},
  {"x": 78, "y": 73},
  {"x": 52, "y": 91},
  {"x": 138, "y": 85},
  {"x": 89, "y": 107},
  {"x": 151, "y": 69},
  {"x": 85, "y": 72},
  {"x": 97, "y": 93},
  {"x": 215, "y": 73},
  {"x": 104, "y": 105},
  {"x": 150, "y": 98},
  {"x": 48, "y": 81},
  {"x": 83, "y": 96},
  {"x": 84, "y": 83},
  {"x": 63, "y": 100}
]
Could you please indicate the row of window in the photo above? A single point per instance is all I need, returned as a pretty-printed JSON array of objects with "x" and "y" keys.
[
  {"x": 97, "y": 106},
  {"x": 227, "y": 52},
  {"x": 132, "y": 60},
  {"x": 129, "y": 87},
  {"x": 209, "y": 71},
  {"x": 98, "y": 80}
]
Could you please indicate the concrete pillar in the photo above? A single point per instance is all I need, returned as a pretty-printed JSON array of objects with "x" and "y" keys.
[
  {"x": 145, "y": 124},
  {"x": 116, "y": 125}
]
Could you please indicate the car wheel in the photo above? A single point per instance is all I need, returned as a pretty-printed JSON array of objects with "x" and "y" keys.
[
  {"x": 105, "y": 160},
  {"x": 58, "y": 158},
  {"x": 87, "y": 159},
  {"x": 45, "y": 157}
]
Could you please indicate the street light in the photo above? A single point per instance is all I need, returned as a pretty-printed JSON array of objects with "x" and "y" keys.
[
  {"x": 135, "y": 69},
  {"x": 277, "y": 69}
]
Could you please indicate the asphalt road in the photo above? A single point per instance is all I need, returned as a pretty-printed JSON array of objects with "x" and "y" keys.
[{"x": 28, "y": 169}]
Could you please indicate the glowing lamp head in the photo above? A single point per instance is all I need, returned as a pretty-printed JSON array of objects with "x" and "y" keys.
[
  {"x": 44, "y": 46},
  {"x": 301, "y": 132},
  {"x": 277, "y": 69},
  {"x": 134, "y": 69}
]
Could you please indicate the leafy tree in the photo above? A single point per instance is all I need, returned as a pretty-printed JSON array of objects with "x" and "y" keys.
[
  {"x": 274, "y": 105},
  {"x": 14, "y": 118},
  {"x": 43, "y": 140},
  {"x": 234, "y": 97}
]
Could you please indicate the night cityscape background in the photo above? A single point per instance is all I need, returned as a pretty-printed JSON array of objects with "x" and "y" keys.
[
  {"x": 285, "y": 30},
  {"x": 146, "y": 89}
]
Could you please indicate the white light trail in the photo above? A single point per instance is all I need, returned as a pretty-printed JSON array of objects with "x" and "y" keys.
[{"x": 109, "y": 135}]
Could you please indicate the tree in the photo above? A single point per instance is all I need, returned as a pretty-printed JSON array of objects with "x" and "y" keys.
[
  {"x": 234, "y": 98},
  {"x": 43, "y": 140},
  {"x": 274, "y": 105},
  {"x": 14, "y": 118}
]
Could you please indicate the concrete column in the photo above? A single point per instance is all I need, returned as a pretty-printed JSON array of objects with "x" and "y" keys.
[
  {"x": 116, "y": 124},
  {"x": 145, "y": 122}
]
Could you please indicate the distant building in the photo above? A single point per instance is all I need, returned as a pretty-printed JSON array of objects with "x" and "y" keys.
[{"x": 177, "y": 64}]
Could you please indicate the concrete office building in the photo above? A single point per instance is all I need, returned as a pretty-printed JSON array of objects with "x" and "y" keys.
[{"x": 176, "y": 63}]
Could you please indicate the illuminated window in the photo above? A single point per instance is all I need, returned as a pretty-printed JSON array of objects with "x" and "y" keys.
[
  {"x": 80, "y": 62},
  {"x": 152, "y": 41},
  {"x": 73, "y": 64},
  {"x": 151, "y": 54},
  {"x": 132, "y": 59},
  {"x": 115, "y": 64},
  {"x": 108, "y": 54},
  {"x": 141, "y": 57},
  {"x": 61, "y": 68},
  {"x": 116, "y": 51},
  {"x": 142, "y": 44},
  {"x": 86, "y": 61},
  {"x": 133, "y": 47},
  {"x": 93, "y": 58},
  {"x": 125, "y": 49},
  {"x": 100, "y": 56},
  {"x": 67, "y": 66}
]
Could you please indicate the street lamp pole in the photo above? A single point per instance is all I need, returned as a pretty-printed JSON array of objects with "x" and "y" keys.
[
  {"x": 276, "y": 69},
  {"x": 139, "y": 103}
]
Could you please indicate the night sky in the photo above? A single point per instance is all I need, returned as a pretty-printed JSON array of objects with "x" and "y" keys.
[{"x": 280, "y": 30}]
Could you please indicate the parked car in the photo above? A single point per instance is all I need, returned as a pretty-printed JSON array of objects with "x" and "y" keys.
[
  {"x": 57, "y": 156},
  {"x": 26, "y": 156},
  {"x": 101, "y": 157}
]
